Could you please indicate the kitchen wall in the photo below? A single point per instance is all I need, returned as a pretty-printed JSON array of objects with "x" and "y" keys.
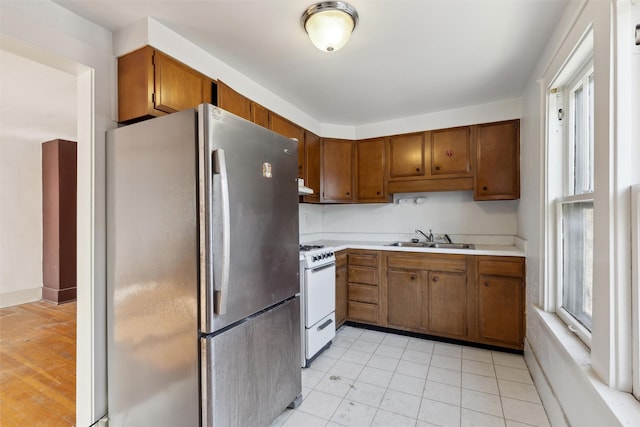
[
  {"x": 20, "y": 222},
  {"x": 454, "y": 213}
]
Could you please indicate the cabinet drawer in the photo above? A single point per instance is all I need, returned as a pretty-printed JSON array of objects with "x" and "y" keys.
[
  {"x": 501, "y": 268},
  {"x": 363, "y": 311},
  {"x": 363, "y": 275},
  {"x": 453, "y": 263},
  {"x": 363, "y": 293},
  {"x": 363, "y": 259}
]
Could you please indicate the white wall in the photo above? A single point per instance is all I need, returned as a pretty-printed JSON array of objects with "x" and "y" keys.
[
  {"x": 566, "y": 373},
  {"x": 452, "y": 212},
  {"x": 20, "y": 222}
]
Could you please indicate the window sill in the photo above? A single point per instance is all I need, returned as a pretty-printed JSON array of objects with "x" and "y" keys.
[{"x": 623, "y": 406}]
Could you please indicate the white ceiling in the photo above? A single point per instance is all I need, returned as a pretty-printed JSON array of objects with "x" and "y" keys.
[
  {"x": 406, "y": 57},
  {"x": 37, "y": 103}
]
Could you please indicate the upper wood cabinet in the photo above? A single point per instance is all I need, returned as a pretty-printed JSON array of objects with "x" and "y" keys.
[
  {"x": 370, "y": 171},
  {"x": 451, "y": 152},
  {"x": 312, "y": 154},
  {"x": 233, "y": 102},
  {"x": 337, "y": 170},
  {"x": 259, "y": 115},
  {"x": 438, "y": 160},
  {"x": 289, "y": 129},
  {"x": 152, "y": 84},
  {"x": 497, "y": 174},
  {"x": 407, "y": 156}
]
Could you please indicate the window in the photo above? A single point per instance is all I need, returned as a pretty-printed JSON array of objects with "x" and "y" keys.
[{"x": 574, "y": 202}]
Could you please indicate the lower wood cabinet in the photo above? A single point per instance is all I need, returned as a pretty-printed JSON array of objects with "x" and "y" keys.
[
  {"x": 427, "y": 293},
  {"x": 470, "y": 298},
  {"x": 363, "y": 290},
  {"x": 500, "y": 292},
  {"x": 341, "y": 288}
]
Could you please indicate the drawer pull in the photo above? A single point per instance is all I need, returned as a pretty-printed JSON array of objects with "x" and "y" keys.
[
  {"x": 325, "y": 324},
  {"x": 487, "y": 284},
  {"x": 435, "y": 278},
  {"x": 413, "y": 277}
]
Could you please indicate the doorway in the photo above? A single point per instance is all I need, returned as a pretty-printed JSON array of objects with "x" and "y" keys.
[{"x": 83, "y": 82}]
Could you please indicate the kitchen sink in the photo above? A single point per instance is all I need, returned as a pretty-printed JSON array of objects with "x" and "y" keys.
[{"x": 438, "y": 245}]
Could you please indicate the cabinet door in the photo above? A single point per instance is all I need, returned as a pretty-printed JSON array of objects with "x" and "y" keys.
[
  {"x": 497, "y": 174},
  {"x": 404, "y": 299},
  {"x": 406, "y": 155},
  {"x": 284, "y": 127},
  {"x": 312, "y": 166},
  {"x": 259, "y": 115},
  {"x": 447, "y": 303},
  {"x": 177, "y": 87},
  {"x": 500, "y": 310},
  {"x": 341, "y": 295},
  {"x": 370, "y": 170},
  {"x": 233, "y": 102},
  {"x": 451, "y": 152},
  {"x": 337, "y": 170}
]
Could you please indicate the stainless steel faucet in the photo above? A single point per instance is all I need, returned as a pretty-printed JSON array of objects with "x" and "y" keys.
[{"x": 429, "y": 237}]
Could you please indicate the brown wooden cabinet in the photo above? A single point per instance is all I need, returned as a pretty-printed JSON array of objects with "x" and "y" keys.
[
  {"x": 370, "y": 171},
  {"x": 451, "y": 152},
  {"x": 363, "y": 289},
  {"x": 406, "y": 156},
  {"x": 438, "y": 160},
  {"x": 337, "y": 170},
  {"x": 152, "y": 84},
  {"x": 284, "y": 127},
  {"x": 427, "y": 293},
  {"x": 497, "y": 174},
  {"x": 341, "y": 287},
  {"x": 259, "y": 115},
  {"x": 233, "y": 102},
  {"x": 500, "y": 293}
]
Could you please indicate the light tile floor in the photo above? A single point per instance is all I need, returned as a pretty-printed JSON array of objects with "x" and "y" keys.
[{"x": 371, "y": 378}]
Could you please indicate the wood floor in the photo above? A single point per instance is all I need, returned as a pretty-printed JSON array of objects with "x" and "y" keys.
[{"x": 38, "y": 365}]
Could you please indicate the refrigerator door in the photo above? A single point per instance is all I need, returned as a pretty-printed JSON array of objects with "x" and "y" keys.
[
  {"x": 152, "y": 273},
  {"x": 249, "y": 209},
  {"x": 251, "y": 372}
]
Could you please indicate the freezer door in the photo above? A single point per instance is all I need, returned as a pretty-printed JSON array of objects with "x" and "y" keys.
[
  {"x": 248, "y": 218},
  {"x": 251, "y": 372}
]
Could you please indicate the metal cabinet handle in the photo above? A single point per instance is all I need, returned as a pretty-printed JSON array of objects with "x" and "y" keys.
[
  {"x": 413, "y": 277},
  {"x": 435, "y": 278},
  {"x": 417, "y": 169},
  {"x": 487, "y": 284}
]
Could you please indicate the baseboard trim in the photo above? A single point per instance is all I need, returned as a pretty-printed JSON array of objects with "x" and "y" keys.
[{"x": 23, "y": 296}]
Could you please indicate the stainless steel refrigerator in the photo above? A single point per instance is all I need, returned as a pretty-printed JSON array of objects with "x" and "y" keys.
[{"x": 202, "y": 272}]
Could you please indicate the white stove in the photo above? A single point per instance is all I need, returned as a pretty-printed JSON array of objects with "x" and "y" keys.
[{"x": 317, "y": 300}]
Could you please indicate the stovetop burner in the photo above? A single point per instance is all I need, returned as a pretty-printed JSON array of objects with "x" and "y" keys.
[{"x": 305, "y": 248}]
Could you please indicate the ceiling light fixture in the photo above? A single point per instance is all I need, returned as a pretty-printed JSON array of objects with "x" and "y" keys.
[{"x": 329, "y": 24}]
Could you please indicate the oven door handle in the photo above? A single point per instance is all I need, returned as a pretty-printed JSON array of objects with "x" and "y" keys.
[
  {"x": 324, "y": 267},
  {"x": 325, "y": 324}
]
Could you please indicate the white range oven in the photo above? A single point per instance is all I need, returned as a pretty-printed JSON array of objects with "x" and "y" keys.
[{"x": 317, "y": 300}]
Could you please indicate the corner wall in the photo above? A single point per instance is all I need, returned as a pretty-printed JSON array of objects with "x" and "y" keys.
[{"x": 20, "y": 222}]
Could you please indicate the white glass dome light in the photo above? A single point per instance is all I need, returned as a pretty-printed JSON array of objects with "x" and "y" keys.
[{"x": 329, "y": 24}]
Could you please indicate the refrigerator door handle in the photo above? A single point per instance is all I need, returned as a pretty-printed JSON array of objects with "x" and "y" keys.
[{"x": 221, "y": 289}]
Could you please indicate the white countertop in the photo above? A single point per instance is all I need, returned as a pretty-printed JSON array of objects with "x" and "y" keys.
[{"x": 480, "y": 249}]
